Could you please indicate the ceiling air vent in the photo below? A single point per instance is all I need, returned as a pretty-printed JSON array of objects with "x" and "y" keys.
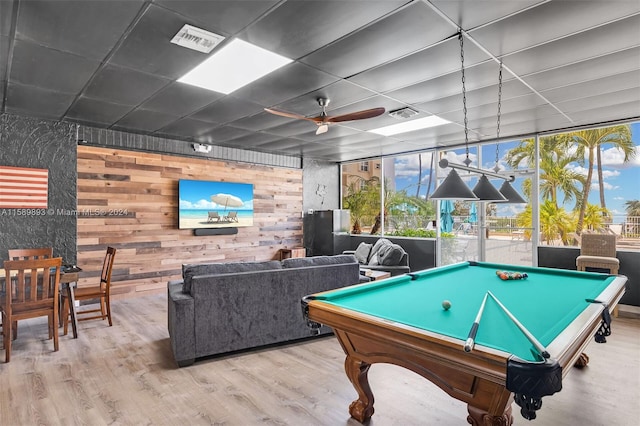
[
  {"x": 402, "y": 113},
  {"x": 196, "y": 39}
]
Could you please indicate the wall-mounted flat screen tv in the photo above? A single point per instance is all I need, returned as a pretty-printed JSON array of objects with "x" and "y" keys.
[{"x": 209, "y": 204}]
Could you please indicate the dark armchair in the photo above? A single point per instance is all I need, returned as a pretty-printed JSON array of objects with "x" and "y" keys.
[{"x": 382, "y": 256}]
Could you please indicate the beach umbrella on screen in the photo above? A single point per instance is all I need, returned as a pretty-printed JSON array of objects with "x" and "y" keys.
[
  {"x": 227, "y": 200},
  {"x": 473, "y": 213},
  {"x": 446, "y": 219}
]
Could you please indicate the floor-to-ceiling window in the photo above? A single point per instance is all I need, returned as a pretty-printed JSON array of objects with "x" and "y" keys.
[{"x": 584, "y": 181}]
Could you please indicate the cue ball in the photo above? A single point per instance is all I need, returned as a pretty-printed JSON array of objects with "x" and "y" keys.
[{"x": 446, "y": 305}]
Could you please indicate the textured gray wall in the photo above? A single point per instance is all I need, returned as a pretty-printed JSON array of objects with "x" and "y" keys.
[
  {"x": 42, "y": 144},
  {"x": 321, "y": 185}
]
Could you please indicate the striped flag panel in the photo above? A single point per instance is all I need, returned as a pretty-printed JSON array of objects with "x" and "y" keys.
[{"x": 23, "y": 188}]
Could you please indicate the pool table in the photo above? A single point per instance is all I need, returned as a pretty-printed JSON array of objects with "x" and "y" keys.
[{"x": 401, "y": 321}]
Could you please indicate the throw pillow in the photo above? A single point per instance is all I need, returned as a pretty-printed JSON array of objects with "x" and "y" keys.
[
  {"x": 362, "y": 253},
  {"x": 390, "y": 255},
  {"x": 376, "y": 247}
]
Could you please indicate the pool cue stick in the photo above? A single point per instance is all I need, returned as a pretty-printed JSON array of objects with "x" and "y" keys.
[
  {"x": 541, "y": 349},
  {"x": 474, "y": 328}
]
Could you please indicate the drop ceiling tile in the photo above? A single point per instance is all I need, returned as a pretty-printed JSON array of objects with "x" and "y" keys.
[
  {"x": 627, "y": 97},
  {"x": 226, "y": 17},
  {"x": 599, "y": 41},
  {"x": 187, "y": 127},
  {"x": 86, "y": 28},
  {"x": 285, "y": 83},
  {"x": 123, "y": 85},
  {"x": 260, "y": 121},
  {"x": 255, "y": 139},
  {"x": 227, "y": 109},
  {"x": 477, "y": 77},
  {"x": 438, "y": 60},
  {"x": 554, "y": 20},
  {"x": 396, "y": 35},
  {"x": 180, "y": 99},
  {"x": 145, "y": 120},
  {"x": 321, "y": 22},
  {"x": 96, "y": 111},
  {"x": 470, "y": 14},
  {"x": 615, "y": 83},
  {"x": 53, "y": 70},
  {"x": 592, "y": 69},
  {"x": 292, "y": 128},
  {"x": 148, "y": 46},
  {"x": 222, "y": 134},
  {"x": 340, "y": 94},
  {"x": 38, "y": 102},
  {"x": 6, "y": 14}
]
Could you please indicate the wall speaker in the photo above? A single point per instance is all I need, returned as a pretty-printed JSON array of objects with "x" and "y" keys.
[{"x": 214, "y": 231}]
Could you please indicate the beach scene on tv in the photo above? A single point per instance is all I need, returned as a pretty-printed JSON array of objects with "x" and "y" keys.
[{"x": 208, "y": 204}]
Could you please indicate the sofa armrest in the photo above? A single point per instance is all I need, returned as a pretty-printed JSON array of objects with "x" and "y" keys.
[{"x": 181, "y": 324}]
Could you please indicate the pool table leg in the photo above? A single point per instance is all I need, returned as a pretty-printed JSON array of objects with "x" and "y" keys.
[
  {"x": 362, "y": 408},
  {"x": 479, "y": 417}
]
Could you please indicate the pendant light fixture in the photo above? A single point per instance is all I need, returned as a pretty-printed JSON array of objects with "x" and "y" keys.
[
  {"x": 510, "y": 195},
  {"x": 453, "y": 187}
]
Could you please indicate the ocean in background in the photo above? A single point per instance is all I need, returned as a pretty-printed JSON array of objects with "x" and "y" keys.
[{"x": 204, "y": 213}]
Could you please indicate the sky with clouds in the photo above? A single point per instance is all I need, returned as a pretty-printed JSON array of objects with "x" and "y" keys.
[{"x": 621, "y": 180}]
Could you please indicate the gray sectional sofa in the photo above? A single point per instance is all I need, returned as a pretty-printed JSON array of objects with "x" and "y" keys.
[{"x": 224, "y": 307}]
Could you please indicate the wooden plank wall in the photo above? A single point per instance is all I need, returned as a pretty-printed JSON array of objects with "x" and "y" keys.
[{"x": 139, "y": 194}]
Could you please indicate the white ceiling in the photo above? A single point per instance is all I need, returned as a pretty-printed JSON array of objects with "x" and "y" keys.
[{"x": 110, "y": 64}]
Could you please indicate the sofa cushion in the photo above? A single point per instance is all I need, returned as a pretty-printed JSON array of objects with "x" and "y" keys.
[
  {"x": 362, "y": 253},
  {"x": 301, "y": 262},
  {"x": 192, "y": 270},
  {"x": 390, "y": 255}
]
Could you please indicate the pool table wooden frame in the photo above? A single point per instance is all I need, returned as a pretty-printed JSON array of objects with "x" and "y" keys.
[{"x": 477, "y": 378}]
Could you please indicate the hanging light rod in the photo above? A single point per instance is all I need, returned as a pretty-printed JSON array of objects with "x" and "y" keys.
[{"x": 444, "y": 163}]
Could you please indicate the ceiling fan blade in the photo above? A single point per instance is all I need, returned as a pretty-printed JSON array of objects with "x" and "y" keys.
[
  {"x": 322, "y": 128},
  {"x": 360, "y": 115},
  {"x": 288, "y": 114}
]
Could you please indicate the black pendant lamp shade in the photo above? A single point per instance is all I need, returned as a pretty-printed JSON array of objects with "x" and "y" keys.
[
  {"x": 511, "y": 194},
  {"x": 487, "y": 192},
  {"x": 453, "y": 188}
]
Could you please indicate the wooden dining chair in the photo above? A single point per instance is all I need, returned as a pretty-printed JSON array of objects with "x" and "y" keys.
[
  {"x": 28, "y": 254},
  {"x": 31, "y": 253},
  {"x": 30, "y": 290},
  {"x": 101, "y": 291}
]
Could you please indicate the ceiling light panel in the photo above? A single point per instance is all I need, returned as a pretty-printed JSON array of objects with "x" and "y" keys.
[
  {"x": 235, "y": 65},
  {"x": 409, "y": 126}
]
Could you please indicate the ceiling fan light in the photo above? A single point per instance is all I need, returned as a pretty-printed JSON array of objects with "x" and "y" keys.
[
  {"x": 487, "y": 192},
  {"x": 453, "y": 188},
  {"x": 322, "y": 129},
  {"x": 511, "y": 194}
]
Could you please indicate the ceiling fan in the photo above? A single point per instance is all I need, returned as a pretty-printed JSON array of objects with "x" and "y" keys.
[{"x": 323, "y": 120}]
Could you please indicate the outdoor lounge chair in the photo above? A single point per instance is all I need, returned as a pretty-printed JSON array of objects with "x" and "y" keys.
[
  {"x": 213, "y": 217},
  {"x": 231, "y": 217}
]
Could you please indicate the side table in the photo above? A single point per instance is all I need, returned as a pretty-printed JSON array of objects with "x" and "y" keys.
[{"x": 286, "y": 253}]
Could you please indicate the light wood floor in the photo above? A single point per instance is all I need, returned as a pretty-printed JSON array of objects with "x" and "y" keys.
[{"x": 125, "y": 375}]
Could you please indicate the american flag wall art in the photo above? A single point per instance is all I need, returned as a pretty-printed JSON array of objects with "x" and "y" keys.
[{"x": 23, "y": 188}]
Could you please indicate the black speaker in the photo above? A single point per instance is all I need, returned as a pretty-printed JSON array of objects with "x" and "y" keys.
[{"x": 214, "y": 231}]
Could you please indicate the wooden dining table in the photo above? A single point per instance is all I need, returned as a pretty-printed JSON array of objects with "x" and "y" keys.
[{"x": 68, "y": 282}]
